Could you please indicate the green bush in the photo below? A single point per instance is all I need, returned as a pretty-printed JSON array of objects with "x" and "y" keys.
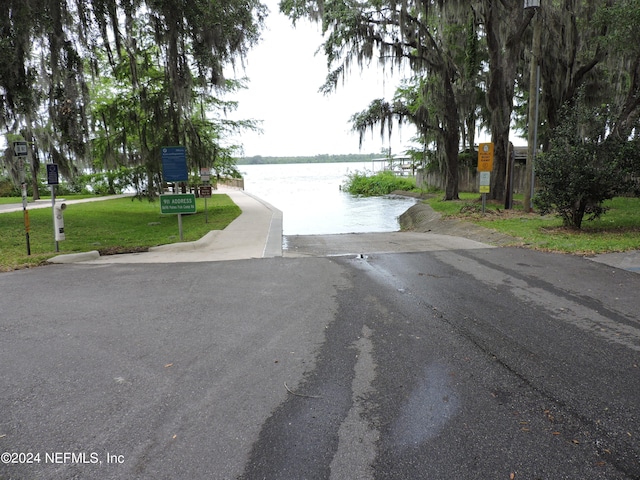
[
  {"x": 584, "y": 168},
  {"x": 381, "y": 183}
]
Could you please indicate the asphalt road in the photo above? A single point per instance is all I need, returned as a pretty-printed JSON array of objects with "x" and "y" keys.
[{"x": 475, "y": 364}]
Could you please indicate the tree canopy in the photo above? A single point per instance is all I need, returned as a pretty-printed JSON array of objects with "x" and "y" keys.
[
  {"x": 105, "y": 83},
  {"x": 468, "y": 61}
]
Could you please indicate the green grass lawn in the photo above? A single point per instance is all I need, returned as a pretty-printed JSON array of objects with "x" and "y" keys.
[
  {"x": 109, "y": 226},
  {"x": 617, "y": 230}
]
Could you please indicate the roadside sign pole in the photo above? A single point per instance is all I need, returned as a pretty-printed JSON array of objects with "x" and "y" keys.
[
  {"x": 178, "y": 204},
  {"x": 25, "y": 212},
  {"x": 204, "y": 176},
  {"x": 485, "y": 166},
  {"x": 53, "y": 179},
  {"x": 53, "y": 213}
]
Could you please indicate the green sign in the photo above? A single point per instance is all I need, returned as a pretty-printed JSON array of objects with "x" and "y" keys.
[{"x": 184, "y": 203}]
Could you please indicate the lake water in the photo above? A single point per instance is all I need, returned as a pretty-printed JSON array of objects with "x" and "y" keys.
[{"x": 312, "y": 203}]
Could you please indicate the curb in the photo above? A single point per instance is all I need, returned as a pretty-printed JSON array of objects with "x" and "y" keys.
[
  {"x": 187, "y": 246},
  {"x": 75, "y": 257},
  {"x": 273, "y": 246}
]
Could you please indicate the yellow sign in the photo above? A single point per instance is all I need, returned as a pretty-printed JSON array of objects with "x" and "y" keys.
[
  {"x": 485, "y": 189},
  {"x": 485, "y": 157}
]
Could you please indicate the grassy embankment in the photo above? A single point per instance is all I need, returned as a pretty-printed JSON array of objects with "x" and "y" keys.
[
  {"x": 617, "y": 230},
  {"x": 110, "y": 226}
]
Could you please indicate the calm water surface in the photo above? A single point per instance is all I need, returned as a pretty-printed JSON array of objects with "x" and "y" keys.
[{"x": 312, "y": 203}]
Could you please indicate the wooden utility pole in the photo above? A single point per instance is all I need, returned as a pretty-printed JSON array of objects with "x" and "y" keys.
[{"x": 534, "y": 92}]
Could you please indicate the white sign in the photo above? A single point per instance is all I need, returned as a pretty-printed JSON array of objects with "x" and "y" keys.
[
  {"x": 20, "y": 149},
  {"x": 485, "y": 182}
]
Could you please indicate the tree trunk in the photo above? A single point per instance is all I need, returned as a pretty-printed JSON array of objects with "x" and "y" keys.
[
  {"x": 578, "y": 214},
  {"x": 630, "y": 110},
  {"x": 500, "y": 139},
  {"x": 35, "y": 171},
  {"x": 504, "y": 32},
  {"x": 451, "y": 173},
  {"x": 34, "y": 158}
]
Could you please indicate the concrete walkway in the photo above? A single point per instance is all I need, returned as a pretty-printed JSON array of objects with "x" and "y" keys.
[
  {"x": 256, "y": 233},
  {"x": 46, "y": 203},
  {"x": 625, "y": 260}
]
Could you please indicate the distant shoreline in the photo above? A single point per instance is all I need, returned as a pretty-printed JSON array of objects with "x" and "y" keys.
[{"x": 349, "y": 158}]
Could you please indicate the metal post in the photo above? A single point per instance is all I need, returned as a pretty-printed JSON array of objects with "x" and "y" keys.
[
  {"x": 25, "y": 212},
  {"x": 53, "y": 212},
  {"x": 180, "y": 225},
  {"x": 508, "y": 201},
  {"x": 535, "y": 138}
]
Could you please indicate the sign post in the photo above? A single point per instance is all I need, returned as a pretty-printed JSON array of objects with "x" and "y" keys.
[
  {"x": 485, "y": 166},
  {"x": 20, "y": 150},
  {"x": 52, "y": 181},
  {"x": 178, "y": 204},
  {"x": 205, "y": 190}
]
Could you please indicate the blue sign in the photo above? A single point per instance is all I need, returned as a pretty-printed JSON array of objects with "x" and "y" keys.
[
  {"x": 174, "y": 164},
  {"x": 52, "y": 174}
]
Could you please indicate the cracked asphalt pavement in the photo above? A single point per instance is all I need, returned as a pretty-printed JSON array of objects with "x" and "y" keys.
[{"x": 444, "y": 363}]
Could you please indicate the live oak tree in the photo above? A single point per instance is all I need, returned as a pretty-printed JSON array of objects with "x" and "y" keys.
[
  {"x": 594, "y": 149},
  {"x": 138, "y": 108},
  {"x": 505, "y": 23},
  {"x": 428, "y": 37},
  {"x": 622, "y": 22},
  {"x": 441, "y": 103},
  {"x": 584, "y": 44},
  {"x": 397, "y": 32},
  {"x": 159, "y": 65},
  {"x": 42, "y": 85}
]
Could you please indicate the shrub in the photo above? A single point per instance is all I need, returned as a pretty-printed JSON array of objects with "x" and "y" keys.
[
  {"x": 8, "y": 189},
  {"x": 381, "y": 183},
  {"x": 583, "y": 167}
]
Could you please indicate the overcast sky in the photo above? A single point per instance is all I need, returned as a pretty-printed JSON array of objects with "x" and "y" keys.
[{"x": 284, "y": 75}]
